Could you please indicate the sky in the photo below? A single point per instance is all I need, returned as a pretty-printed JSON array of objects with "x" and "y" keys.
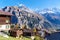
[{"x": 33, "y": 4}]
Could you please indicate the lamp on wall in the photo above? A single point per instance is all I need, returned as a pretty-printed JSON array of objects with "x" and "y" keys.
[{"x": 7, "y": 21}]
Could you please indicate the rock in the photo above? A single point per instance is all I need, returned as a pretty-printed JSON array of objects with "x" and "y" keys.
[{"x": 4, "y": 35}]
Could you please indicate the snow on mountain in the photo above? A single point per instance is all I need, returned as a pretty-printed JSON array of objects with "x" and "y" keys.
[
  {"x": 23, "y": 7},
  {"x": 43, "y": 12},
  {"x": 52, "y": 10},
  {"x": 52, "y": 15}
]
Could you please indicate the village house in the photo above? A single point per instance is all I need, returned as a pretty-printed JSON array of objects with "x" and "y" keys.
[{"x": 5, "y": 20}]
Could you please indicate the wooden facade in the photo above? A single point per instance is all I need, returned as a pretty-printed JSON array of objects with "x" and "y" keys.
[{"x": 5, "y": 20}]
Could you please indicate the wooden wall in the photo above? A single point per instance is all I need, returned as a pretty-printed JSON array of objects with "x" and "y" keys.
[{"x": 4, "y": 18}]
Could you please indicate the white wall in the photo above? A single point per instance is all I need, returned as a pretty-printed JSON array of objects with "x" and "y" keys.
[{"x": 4, "y": 27}]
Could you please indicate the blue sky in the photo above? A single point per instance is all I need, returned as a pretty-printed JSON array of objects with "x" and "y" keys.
[{"x": 33, "y": 4}]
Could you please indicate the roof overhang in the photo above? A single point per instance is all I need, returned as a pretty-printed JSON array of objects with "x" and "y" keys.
[{"x": 5, "y": 13}]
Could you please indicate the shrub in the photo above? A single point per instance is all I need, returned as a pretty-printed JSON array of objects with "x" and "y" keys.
[{"x": 38, "y": 38}]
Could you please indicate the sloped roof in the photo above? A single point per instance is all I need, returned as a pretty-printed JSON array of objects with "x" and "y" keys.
[{"x": 5, "y": 13}]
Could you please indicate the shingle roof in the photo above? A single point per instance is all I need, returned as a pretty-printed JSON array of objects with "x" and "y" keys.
[{"x": 5, "y": 13}]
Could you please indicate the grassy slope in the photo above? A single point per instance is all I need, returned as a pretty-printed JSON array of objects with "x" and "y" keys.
[
  {"x": 12, "y": 38},
  {"x": 24, "y": 38}
]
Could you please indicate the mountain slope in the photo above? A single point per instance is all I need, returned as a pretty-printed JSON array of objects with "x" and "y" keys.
[
  {"x": 23, "y": 15},
  {"x": 52, "y": 15}
]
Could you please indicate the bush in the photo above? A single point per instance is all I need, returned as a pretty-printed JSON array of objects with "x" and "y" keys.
[
  {"x": 38, "y": 38},
  {"x": 12, "y": 26}
]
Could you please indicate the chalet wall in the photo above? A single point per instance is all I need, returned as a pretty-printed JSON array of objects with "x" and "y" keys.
[{"x": 4, "y": 20}]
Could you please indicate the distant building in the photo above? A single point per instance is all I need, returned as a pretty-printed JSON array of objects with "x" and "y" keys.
[{"x": 5, "y": 20}]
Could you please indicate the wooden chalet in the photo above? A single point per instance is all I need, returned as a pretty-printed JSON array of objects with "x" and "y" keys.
[{"x": 5, "y": 20}]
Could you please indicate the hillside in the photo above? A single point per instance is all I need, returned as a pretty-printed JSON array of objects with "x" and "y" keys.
[
  {"x": 23, "y": 15},
  {"x": 52, "y": 15}
]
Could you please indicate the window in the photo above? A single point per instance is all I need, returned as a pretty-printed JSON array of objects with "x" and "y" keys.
[{"x": 7, "y": 26}]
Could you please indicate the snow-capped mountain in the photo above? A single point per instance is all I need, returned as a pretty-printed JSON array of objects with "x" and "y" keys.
[
  {"x": 51, "y": 10},
  {"x": 24, "y": 8},
  {"x": 23, "y": 15},
  {"x": 52, "y": 15}
]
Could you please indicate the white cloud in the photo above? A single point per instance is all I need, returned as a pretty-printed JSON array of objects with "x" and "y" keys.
[{"x": 20, "y": 4}]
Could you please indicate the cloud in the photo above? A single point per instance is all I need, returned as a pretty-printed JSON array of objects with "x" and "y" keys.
[{"x": 20, "y": 4}]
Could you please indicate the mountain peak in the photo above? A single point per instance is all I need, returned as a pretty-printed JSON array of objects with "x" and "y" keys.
[{"x": 47, "y": 10}]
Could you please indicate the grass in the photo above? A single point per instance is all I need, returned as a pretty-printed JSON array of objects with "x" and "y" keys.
[
  {"x": 24, "y": 38},
  {"x": 13, "y": 38}
]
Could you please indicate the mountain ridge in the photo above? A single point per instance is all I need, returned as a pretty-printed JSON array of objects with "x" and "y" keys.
[
  {"x": 23, "y": 15},
  {"x": 53, "y": 16}
]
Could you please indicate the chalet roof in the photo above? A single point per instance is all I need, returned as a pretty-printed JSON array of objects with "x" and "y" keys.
[{"x": 5, "y": 13}]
